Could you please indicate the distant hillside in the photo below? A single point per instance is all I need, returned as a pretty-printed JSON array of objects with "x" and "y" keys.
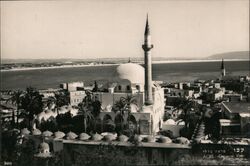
[{"x": 231, "y": 55}]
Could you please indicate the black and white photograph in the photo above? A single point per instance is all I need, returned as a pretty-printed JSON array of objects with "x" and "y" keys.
[{"x": 124, "y": 82}]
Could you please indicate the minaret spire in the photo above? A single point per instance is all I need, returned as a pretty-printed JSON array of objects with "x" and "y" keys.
[
  {"x": 129, "y": 60},
  {"x": 147, "y": 46},
  {"x": 222, "y": 64},
  {"x": 147, "y": 30}
]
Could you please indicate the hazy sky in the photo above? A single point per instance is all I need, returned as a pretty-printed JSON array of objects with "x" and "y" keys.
[{"x": 98, "y": 28}]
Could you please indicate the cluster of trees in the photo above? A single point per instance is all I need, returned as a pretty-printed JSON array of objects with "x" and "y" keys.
[
  {"x": 191, "y": 115},
  {"x": 194, "y": 114},
  {"x": 30, "y": 103},
  {"x": 85, "y": 121}
]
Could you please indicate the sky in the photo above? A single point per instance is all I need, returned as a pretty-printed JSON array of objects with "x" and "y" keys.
[{"x": 115, "y": 28}]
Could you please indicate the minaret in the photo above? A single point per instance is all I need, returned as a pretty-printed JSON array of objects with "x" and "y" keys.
[
  {"x": 129, "y": 60},
  {"x": 223, "y": 70},
  {"x": 147, "y": 46}
]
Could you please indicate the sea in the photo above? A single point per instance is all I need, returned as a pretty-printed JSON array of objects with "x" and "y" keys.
[{"x": 167, "y": 72}]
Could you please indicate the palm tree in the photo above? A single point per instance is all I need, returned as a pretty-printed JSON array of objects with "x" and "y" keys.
[
  {"x": 190, "y": 119},
  {"x": 32, "y": 103},
  {"x": 123, "y": 105},
  {"x": 185, "y": 105},
  {"x": 16, "y": 99},
  {"x": 60, "y": 99},
  {"x": 86, "y": 111}
]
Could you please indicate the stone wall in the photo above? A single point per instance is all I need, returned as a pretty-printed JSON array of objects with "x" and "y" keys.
[{"x": 122, "y": 154}]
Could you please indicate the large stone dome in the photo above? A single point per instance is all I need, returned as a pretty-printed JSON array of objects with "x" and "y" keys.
[{"x": 131, "y": 72}]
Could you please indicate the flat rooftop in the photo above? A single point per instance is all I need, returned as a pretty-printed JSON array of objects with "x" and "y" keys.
[{"x": 237, "y": 107}]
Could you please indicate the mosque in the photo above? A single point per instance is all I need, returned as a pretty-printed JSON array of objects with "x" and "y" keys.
[{"x": 134, "y": 82}]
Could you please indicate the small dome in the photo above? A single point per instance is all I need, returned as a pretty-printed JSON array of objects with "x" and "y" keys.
[
  {"x": 123, "y": 138},
  {"x": 45, "y": 115},
  {"x": 131, "y": 72},
  {"x": 59, "y": 134},
  {"x": 138, "y": 138},
  {"x": 182, "y": 140},
  {"x": 47, "y": 133},
  {"x": 43, "y": 147},
  {"x": 149, "y": 138},
  {"x": 169, "y": 122},
  {"x": 84, "y": 136},
  {"x": 164, "y": 139},
  {"x": 71, "y": 135},
  {"x": 36, "y": 132},
  {"x": 97, "y": 137},
  {"x": 25, "y": 131}
]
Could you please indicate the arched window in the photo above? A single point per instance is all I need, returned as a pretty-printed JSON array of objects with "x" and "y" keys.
[
  {"x": 119, "y": 123},
  {"x": 128, "y": 87},
  {"x": 108, "y": 124},
  {"x": 119, "y": 87},
  {"x": 137, "y": 87},
  {"x": 132, "y": 123}
]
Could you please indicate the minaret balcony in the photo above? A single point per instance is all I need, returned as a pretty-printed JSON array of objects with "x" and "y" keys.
[{"x": 147, "y": 47}]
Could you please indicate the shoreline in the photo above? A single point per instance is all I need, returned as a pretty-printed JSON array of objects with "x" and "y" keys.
[{"x": 115, "y": 64}]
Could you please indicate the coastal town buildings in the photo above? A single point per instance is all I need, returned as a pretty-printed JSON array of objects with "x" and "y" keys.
[
  {"x": 161, "y": 118},
  {"x": 75, "y": 90}
]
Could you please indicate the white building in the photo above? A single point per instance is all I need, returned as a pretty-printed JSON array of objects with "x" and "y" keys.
[
  {"x": 75, "y": 97},
  {"x": 147, "y": 103}
]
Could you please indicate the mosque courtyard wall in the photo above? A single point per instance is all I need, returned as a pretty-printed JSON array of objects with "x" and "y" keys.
[{"x": 122, "y": 153}]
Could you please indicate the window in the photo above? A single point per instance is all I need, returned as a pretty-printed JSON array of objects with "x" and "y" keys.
[
  {"x": 119, "y": 87},
  {"x": 137, "y": 87},
  {"x": 128, "y": 87}
]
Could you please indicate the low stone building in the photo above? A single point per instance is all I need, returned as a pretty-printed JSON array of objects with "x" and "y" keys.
[{"x": 236, "y": 118}]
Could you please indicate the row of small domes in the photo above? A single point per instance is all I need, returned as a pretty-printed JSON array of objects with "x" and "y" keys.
[{"x": 104, "y": 136}]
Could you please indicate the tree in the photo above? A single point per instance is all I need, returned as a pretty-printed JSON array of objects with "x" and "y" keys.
[
  {"x": 96, "y": 107},
  {"x": 123, "y": 106},
  {"x": 190, "y": 116},
  {"x": 61, "y": 98},
  {"x": 85, "y": 110},
  {"x": 16, "y": 99},
  {"x": 64, "y": 122},
  {"x": 212, "y": 125},
  {"x": 32, "y": 104}
]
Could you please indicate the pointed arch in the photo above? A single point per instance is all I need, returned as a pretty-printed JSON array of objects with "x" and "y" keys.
[
  {"x": 132, "y": 123},
  {"x": 108, "y": 123},
  {"x": 119, "y": 123}
]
